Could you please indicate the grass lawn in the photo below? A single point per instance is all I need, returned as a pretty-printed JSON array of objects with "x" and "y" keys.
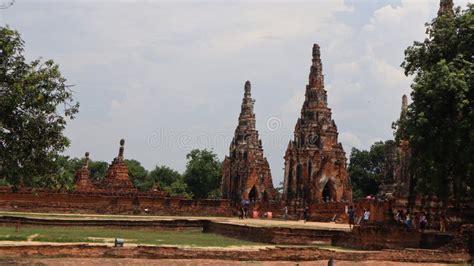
[{"x": 188, "y": 237}]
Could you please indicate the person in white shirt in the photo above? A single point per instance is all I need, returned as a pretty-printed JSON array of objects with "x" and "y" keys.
[{"x": 366, "y": 216}]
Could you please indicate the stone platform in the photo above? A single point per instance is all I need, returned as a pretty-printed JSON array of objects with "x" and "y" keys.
[
  {"x": 276, "y": 254},
  {"x": 274, "y": 232}
]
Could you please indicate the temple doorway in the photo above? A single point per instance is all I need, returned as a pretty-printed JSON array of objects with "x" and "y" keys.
[
  {"x": 328, "y": 192},
  {"x": 253, "y": 195}
]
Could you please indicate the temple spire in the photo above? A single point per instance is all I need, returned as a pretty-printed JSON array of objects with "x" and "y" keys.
[
  {"x": 446, "y": 7},
  {"x": 86, "y": 163},
  {"x": 404, "y": 103},
  {"x": 247, "y": 117},
  {"x": 120, "y": 155},
  {"x": 247, "y": 89},
  {"x": 316, "y": 79}
]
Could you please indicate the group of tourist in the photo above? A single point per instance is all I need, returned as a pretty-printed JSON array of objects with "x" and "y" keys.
[
  {"x": 418, "y": 220},
  {"x": 410, "y": 221},
  {"x": 364, "y": 219}
]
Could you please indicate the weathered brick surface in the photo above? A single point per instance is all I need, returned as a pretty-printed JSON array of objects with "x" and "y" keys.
[
  {"x": 111, "y": 203},
  {"x": 315, "y": 162},
  {"x": 116, "y": 177},
  {"x": 272, "y": 235},
  {"x": 83, "y": 181},
  {"x": 273, "y": 254},
  {"x": 245, "y": 172}
]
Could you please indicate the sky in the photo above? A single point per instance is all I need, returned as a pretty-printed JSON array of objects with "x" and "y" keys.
[{"x": 168, "y": 77}]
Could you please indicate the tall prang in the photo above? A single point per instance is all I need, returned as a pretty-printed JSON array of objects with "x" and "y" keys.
[
  {"x": 245, "y": 172},
  {"x": 315, "y": 162},
  {"x": 446, "y": 7}
]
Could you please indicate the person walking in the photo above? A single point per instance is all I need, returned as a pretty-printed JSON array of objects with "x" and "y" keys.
[
  {"x": 416, "y": 220},
  {"x": 351, "y": 214},
  {"x": 408, "y": 220},
  {"x": 442, "y": 224},
  {"x": 423, "y": 222},
  {"x": 366, "y": 216},
  {"x": 285, "y": 213},
  {"x": 306, "y": 214},
  {"x": 242, "y": 212}
]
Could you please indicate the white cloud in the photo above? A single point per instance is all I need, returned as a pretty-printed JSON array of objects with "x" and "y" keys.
[
  {"x": 349, "y": 141},
  {"x": 142, "y": 67}
]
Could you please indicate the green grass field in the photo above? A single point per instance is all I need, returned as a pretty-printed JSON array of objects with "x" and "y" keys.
[{"x": 188, "y": 237}]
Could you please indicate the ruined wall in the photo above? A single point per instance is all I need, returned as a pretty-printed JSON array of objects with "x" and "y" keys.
[
  {"x": 111, "y": 204},
  {"x": 264, "y": 254},
  {"x": 272, "y": 235}
]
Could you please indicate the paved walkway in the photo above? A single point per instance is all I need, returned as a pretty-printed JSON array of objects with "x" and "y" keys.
[{"x": 288, "y": 224}]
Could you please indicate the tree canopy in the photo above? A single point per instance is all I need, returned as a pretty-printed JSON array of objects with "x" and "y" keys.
[
  {"x": 35, "y": 104},
  {"x": 366, "y": 170},
  {"x": 439, "y": 123},
  {"x": 203, "y": 174},
  {"x": 136, "y": 172},
  {"x": 169, "y": 180}
]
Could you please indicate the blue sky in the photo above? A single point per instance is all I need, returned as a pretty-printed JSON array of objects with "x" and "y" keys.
[{"x": 168, "y": 77}]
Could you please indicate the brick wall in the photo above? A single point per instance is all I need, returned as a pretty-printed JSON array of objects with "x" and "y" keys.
[{"x": 111, "y": 203}]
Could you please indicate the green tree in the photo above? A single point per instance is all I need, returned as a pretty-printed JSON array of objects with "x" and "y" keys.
[
  {"x": 203, "y": 173},
  {"x": 164, "y": 176},
  {"x": 178, "y": 188},
  {"x": 35, "y": 104},
  {"x": 366, "y": 170},
  {"x": 97, "y": 170},
  {"x": 63, "y": 179},
  {"x": 439, "y": 122},
  {"x": 136, "y": 172}
]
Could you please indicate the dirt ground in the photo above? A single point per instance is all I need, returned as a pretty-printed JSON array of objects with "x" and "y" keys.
[{"x": 206, "y": 262}]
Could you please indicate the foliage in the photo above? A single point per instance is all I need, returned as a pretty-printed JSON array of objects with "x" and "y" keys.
[
  {"x": 169, "y": 180},
  {"x": 136, "y": 172},
  {"x": 366, "y": 170},
  {"x": 440, "y": 120},
  {"x": 61, "y": 180},
  {"x": 203, "y": 173},
  {"x": 97, "y": 170},
  {"x": 35, "y": 103},
  {"x": 178, "y": 188},
  {"x": 164, "y": 176}
]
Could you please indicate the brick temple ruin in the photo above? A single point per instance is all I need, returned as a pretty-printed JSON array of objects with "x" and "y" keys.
[
  {"x": 315, "y": 162},
  {"x": 82, "y": 177},
  {"x": 116, "y": 178},
  {"x": 114, "y": 194},
  {"x": 245, "y": 172},
  {"x": 397, "y": 182}
]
